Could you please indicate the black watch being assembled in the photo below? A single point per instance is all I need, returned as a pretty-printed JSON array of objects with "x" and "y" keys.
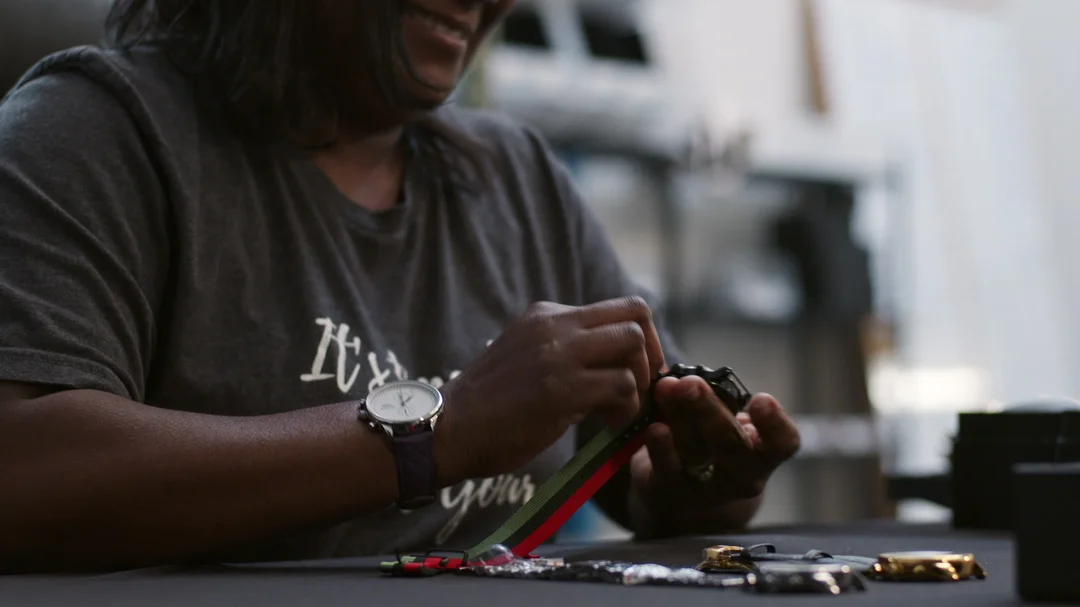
[{"x": 407, "y": 411}]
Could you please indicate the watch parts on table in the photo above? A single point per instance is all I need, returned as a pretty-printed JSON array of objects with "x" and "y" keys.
[
  {"x": 737, "y": 559},
  {"x": 803, "y": 578},
  {"x": 611, "y": 572},
  {"x": 926, "y": 566},
  {"x": 726, "y": 559},
  {"x": 677, "y": 576},
  {"x": 758, "y": 568},
  {"x": 423, "y": 565}
]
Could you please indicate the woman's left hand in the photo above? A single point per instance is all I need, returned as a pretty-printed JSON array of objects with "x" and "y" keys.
[{"x": 703, "y": 469}]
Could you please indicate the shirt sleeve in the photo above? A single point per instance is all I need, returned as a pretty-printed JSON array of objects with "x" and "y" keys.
[{"x": 82, "y": 238}]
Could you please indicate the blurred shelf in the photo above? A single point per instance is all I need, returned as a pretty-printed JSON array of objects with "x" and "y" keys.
[{"x": 807, "y": 153}]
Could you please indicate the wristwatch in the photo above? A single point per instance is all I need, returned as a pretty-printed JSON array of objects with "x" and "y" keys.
[
  {"x": 406, "y": 411},
  {"x": 926, "y": 565},
  {"x": 831, "y": 578}
]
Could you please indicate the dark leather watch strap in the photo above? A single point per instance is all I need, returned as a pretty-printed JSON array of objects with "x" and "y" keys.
[{"x": 416, "y": 469}]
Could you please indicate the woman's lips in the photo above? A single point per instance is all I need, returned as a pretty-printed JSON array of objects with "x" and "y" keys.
[{"x": 440, "y": 28}]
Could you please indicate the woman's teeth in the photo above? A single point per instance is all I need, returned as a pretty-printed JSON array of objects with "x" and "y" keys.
[{"x": 442, "y": 28}]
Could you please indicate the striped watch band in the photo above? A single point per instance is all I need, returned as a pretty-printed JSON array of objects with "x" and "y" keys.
[
  {"x": 593, "y": 465},
  {"x": 562, "y": 495}
]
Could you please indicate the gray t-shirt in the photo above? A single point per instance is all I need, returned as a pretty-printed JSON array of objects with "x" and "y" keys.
[{"x": 148, "y": 253}]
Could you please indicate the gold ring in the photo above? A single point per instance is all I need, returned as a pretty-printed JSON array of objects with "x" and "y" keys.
[{"x": 702, "y": 472}]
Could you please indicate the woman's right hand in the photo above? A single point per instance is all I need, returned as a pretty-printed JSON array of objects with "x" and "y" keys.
[{"x": 547, "y": 371}]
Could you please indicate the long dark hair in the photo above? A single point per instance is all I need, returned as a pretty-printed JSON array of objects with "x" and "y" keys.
[{"x": 253, "y": 59}]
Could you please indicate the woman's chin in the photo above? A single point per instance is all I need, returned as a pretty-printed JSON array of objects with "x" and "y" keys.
[{"x": 425, "y": 98}]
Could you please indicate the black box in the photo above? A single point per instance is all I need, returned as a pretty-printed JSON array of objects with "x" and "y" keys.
[
  {"x": 987, "y": 446},
  {"x": 1069, "y": 442},
  {"x": 1046, "y": 525}
]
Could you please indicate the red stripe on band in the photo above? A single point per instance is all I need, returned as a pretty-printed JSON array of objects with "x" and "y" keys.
[{"x": 589, "y": 488}]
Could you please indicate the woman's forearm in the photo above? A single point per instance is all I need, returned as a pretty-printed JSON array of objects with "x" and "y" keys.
[{"x": 92, "y": 480}]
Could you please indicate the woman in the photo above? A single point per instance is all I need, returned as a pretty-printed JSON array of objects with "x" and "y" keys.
[{"x": 227, "y": 230}]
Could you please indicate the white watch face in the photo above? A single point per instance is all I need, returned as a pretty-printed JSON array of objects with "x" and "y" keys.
[{"x": 403, "y": 402}]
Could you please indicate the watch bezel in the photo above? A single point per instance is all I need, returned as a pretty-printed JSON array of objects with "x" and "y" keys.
[{"x": 428, "y": 418}]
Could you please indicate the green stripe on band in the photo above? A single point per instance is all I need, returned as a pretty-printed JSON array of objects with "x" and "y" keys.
[{"x": 564, "y": 485}]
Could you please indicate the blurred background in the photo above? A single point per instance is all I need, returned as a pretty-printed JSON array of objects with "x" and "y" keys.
[{"x": 865, "y": 207}]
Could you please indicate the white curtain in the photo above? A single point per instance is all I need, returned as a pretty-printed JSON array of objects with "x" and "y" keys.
[{"x": 965, "y": 237}]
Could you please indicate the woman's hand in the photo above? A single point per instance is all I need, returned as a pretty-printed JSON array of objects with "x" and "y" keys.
[
  {"x": 703, "y": 468},
  {"x": 550, "y": 369}
]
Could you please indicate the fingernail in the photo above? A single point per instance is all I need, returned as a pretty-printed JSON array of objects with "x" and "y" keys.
[{"x": 764, "y": 398}]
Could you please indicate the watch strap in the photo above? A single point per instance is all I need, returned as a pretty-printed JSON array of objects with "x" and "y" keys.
[
  {"x": 558, "y": 498},
  {"x": 564, "y": 493},
  {"x": 416, "y": 469}
]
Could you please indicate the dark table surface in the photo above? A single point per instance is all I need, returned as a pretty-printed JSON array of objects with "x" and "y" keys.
[{"x": 357, "y": 581}]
